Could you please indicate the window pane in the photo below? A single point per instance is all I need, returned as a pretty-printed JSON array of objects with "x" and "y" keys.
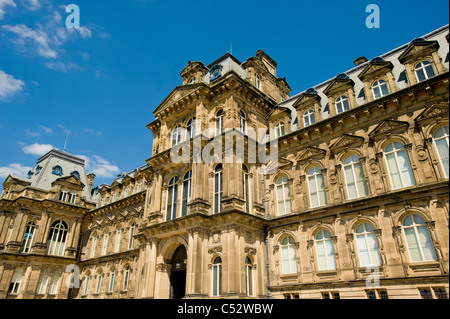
[
  {"x": 374, "y": 252},
  {"x": 363, "y": 251},
  {"x": 405, "y": 168},
  {"x": 426, "y": 294},
  {"x": 420, "y": 75},
  {"x": 426, "y": 243},
  {"x": 413, "y": 246},
  {"x": 393, "y": 171},
  {"x": 321, "y": 256},
  {"x": 331, "y": 262}
]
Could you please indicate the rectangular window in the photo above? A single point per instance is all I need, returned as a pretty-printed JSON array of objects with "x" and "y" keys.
[
  {"x": 42, "y": 283},
  {"x": 63, "y": 196},
  {"x": 111, "y": 281},
  {"x": 15, "y": 282},
  {"x": 426, "y": 293},
  {"x": 54, "y": 283},
  {"x": 440, "y": 293},
  {"x": 105, "y": 244},
  {"x": 383, "y": 294},
  {"x": 72, "y": 197}
]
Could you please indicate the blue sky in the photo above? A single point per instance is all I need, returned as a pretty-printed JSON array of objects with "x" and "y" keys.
[{"x": 101, "y": 82}]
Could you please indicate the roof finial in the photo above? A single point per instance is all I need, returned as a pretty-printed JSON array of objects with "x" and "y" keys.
[
  {"x": 231, "y": 48},
  {"x": 65, "y": 144}
]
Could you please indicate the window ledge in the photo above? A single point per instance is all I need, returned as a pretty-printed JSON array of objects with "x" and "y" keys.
[
  {"x": 289, "y": 277},
  {"x": 425, "y": 266},
  {"x": 327, "y": 274}
]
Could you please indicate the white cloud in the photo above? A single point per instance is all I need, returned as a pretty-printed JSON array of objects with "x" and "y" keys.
[
  {"x": 63, "y": 67},
  {"x": 9, "y": 85},
  {"x": 46, "y": 130},
  {"x": 5, "y": 3},
  {"x": 99, "y": 166},
  {"x": 32, "y": 40},
  {"x": 36, "y": 148},
  {"x": 32, "y": 5},
  {"x": 14, "y": 169}
]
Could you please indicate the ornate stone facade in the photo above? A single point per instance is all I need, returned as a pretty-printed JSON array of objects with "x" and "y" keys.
[{"x": 357, "y": 207}]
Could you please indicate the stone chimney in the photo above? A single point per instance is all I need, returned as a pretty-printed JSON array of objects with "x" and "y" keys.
[
  {"x": 360, "y": 60},
  {"x": 91, "y": 178}
]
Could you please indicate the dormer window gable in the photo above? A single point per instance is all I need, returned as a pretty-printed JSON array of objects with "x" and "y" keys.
[
  {"x": 421, "y": 60},
  {"x": 378, "y": 79},
  {"x": 308, "y": 102},
  {"x": 340, "y": 93}
]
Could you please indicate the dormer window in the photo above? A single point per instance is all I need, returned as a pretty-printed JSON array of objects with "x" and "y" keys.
[
  {"x": 342, "y": 104},
  {"x": 57, "y": 170},
  {"x": 192, "y": 81},
  {"x": 257, "y": 82},
  {"x": 279, "y": 130},
  {"x": 308, "y": 118},
  {"x": 76, "y": 174},
  {"x": 379, "y": 89},
  {"x": 215, "y": 72},
  {"x": 63, "y": 195},
  {"x": 72, "y": 197},
  {"x": 424, "y": 70}
]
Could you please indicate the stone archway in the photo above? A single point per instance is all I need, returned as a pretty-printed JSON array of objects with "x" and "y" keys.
[{"x": 178, "y": 273}]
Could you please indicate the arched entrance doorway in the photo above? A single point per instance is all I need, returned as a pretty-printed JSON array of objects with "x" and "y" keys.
[{"x": 178, "y": 273}]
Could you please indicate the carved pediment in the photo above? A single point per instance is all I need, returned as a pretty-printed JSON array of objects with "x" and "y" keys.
[
  {"x": 306, "y": 99},
  {"x": 388, "y": 127},
  {"x": 311, "y": 153},
  {"x": 435, "y": 111},
  {"x": 179, "y": 93},
  {"x": 70, "y": 181},
  {"x": 337, "y": 85},
  {"x": 346, "y": 141},
  {"x": 374, "y": 69},
  {"x": 279, "y": 112},
  {"x": 418, "y": 48}
]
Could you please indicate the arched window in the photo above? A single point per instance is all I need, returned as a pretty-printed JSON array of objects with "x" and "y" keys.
[
  {"x": 217, "y": 277},
  {"x": 132, "y": 233},
  {"x": 367, "y": 242},
  {"x": 118, "y": 239},
  {"x": 249, "y": 276},
  {"x": 424, "y": 70},
  {"x": 316, "y": 184},
  {"x": 187, "y": 185},
  {"x": 399, "y": 166},
  {"x": 28, "y": 237},
  {"x": 105, "y": 244},
  {"x": 99, "y": 282},
  {"x": 57, "y": 238},
  {"x": 379, "y": 89},
  {"x": 288, "y": 255},
  {"x": 440, "y": 139},
  {"x": 190, "y": 129},
  {"x": 354, "y": 177},
  {"x": 219, "y": 122},
  {"x": 283, "y": 196},
  {"x": 308, "y": 118},
  {"x": 176, "y": 136},
  {"x": 418, "y": 239},
  {"x": 218, "y": 188},
  {"x": 112, "y": 279},
  {"x": 171, "y": 207},
  {"x": 342, "y": 104},
  {"x": 257, "y": 82},
  {"x": 126, "y": 278},
  {"x": 243, "y": 122},
  {"x": 325, "y": 251},
  {"x": 279, "y": 130},
  {"x": 14, "y": 285},
  {"x": 86, "y": 285},
  {"x": 93, "y": 246},
  {"x": 246, "y": 187}
]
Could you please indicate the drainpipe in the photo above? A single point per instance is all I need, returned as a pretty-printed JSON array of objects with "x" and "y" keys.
[{"x": 266, "y": 235}]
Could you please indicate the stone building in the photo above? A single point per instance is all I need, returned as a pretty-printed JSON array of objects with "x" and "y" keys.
[{"x": 355, "y": 206}]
